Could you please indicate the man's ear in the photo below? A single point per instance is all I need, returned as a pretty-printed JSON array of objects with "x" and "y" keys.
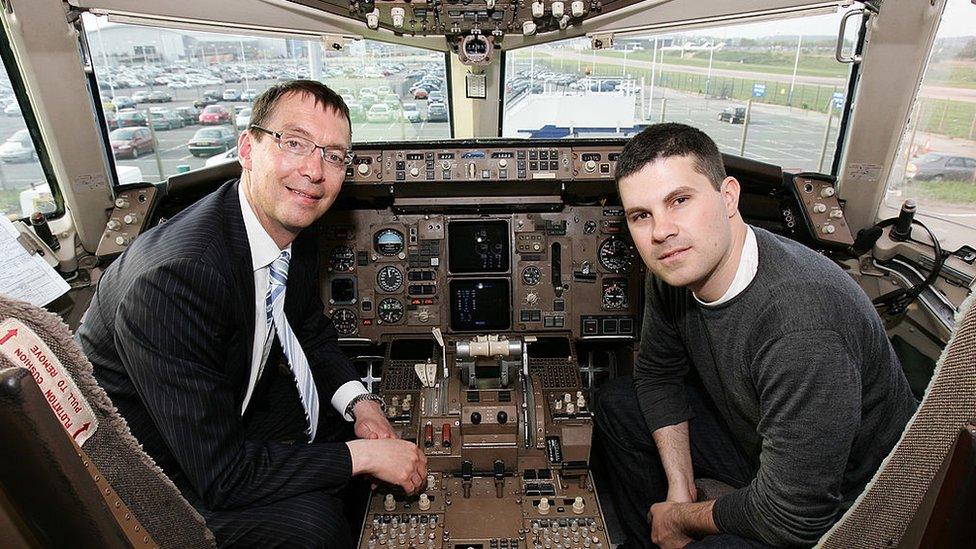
[
  {"x": 730, "y": 194},
  {"x": 244, "y": 149}
]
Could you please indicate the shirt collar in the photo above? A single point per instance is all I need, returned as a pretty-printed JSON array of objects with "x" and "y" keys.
[
  {"x": 744, "y": 273},
  {"x": 263, "y": 248}
]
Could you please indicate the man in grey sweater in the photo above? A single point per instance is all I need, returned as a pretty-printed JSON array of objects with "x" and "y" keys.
[{"x": 761, "y": 364}]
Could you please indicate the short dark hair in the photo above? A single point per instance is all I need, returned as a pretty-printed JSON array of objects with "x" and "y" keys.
[
  {"x": 672, "y": 139},
  {"x": 265, "y": 103}
]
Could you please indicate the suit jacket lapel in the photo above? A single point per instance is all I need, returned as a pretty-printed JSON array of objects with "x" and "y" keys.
[{"x": 243, "y": 276}]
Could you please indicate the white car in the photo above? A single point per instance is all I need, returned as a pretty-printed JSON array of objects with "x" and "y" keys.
[
  {"x": 17, "y": 148},
  {"x": 379, "y": 112},
  {"x": 231, "y": 94},
  {"x": 410, "y": 112},
  {"x": 222, "y": 158},
  {"x": 243, "y": 119}
]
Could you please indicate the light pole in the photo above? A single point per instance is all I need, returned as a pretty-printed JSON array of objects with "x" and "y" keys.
[
  {"x": 708, "y": 77},
  {"x": 796, "y": 63}
]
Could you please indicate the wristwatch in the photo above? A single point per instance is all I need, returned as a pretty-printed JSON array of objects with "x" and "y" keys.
[{"x": 359, "y": 398}]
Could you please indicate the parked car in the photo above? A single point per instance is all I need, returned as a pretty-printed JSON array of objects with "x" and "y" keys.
[
  {"x": 18, "y": 148},
  {"x": 411, "y": 112},
  {"x": 214, "y": 114},
  {"x": 231, "y": 94},
  {"x": 165, "y": 120},
  {"x": 436, "y": 96},
  {"x": 160, "y": 97},
  {"x": 210, "y": 141},
  {"x": 190, "y": 115},
  {"x": 420, "y": 93},
  {"x": 602, "y": 86},
  {"x": 436, "y": 112},
  {"x": 111, "y": 120},
  {"x": 123, "y": 102},
  {"x": 130, "y": 118},
  {"x": 131, "y": 142},
  {"x": 733, "y": 115},
  {"x": 223, "y": 158},
  {"x": 243, "y": 118},
  {"x": 249, "y": 95},
  {"x": 380, "y": 112},
  {"x": 940, "y": 166},
  {"x": 140, "y": 97},
  {"x": 356, "y": 111}
]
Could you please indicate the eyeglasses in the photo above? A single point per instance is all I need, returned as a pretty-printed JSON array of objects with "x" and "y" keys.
[{"x": 300, "y": 146}]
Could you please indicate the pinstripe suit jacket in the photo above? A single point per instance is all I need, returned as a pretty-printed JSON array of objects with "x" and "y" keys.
[{"x": 170, "y": 331}]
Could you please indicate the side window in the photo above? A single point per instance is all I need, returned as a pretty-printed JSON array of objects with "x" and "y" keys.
[
  {"x": 24, "y": 185},
  {"x": 935, "y": 162}
]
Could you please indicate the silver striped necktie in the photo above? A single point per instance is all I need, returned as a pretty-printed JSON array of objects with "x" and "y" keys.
[{"x": 277, "y": 282}]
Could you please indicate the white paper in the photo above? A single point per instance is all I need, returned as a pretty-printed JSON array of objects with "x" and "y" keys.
[{"x": 24, "y": 276}]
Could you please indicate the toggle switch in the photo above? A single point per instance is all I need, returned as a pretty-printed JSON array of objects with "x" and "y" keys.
[
  {"x": 467, "y": 475},
  {"x": 446, "y": 435},
  {"x": 499, "y": 473}
]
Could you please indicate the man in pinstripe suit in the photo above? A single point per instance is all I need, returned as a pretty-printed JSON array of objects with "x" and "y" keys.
[{"x": 187, "y": 327}]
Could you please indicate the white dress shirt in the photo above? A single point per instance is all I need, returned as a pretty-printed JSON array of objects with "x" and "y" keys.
[
  {"x": 263, "y": 253},
  {"x": 746, "y": 271}
]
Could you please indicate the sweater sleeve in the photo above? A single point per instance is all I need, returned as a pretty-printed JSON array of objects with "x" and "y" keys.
[
  {"x": 809, "y": 397},
  {"x": 661, "y": 364}
]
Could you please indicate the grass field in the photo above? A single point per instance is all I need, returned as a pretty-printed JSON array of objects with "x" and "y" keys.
[{"x": 956, "y": 192}]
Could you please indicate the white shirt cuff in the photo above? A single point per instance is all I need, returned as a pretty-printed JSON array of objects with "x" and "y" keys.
[{"x": 344, "y": 395}]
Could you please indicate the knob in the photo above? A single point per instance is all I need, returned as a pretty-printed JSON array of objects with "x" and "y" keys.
[
  {"x": 528, "y": 28},
  {"x": 503, "y": 163},
  {"x": 589, "y": 165},
  {"x": 559, "y": 405},
  {"x": 373, "y": 19},
  {"x": 363, "y": 169},
  {"x": 836, "y": 214},
  {"x": 113, "y": 225},
  {"x": 423, "y": 316},
  {"x": 389, "y": 503},
  {"x": 819, "y": 207},
  {"x": 543, "y": 506},
  {"x": 827, "y": 192},
  {"x": 578, "y": 505},
  {"x": 445, "y": 164},
  {"x": 472, "y": 170},
  {"x": 424, "y": 502},
  {"x": 564, "y": 22},
  {"x": 129, "y": 219},
  {"x": 414, "y": 172},
  {"x": 531, "y": 299},
  {"x": 121, "y": 240},
  {"x": 121, "y": 203},
  {"x": 580, "y": 402},
  {"x": 475, "y": 418},
  {"x": 538, "y": 9},
  {"x": 502, "y": 417},
  {"x": 397, "y": 15},
  {"x": 570, "y": 408},
  {"x": 828, "y": 229},
  {"x": 490, "y": 4},
  {"x": 577, "y": 8},
  {"x": 558, "y": 8}
]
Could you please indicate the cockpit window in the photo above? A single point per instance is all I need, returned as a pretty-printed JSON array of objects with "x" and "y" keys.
[
  {"x": 394, "y": 92},
  {"x": 936, "y": 164},
  {"x": 24, "y": 185},
  {"x": 770, "y": 91}
]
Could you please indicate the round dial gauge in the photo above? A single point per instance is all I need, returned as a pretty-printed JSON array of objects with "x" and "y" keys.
[
  {"x": 614, "y": 295},
  {"x": 344, "y": 321},
  {"x": 390, "y": 310},
  {"x": 388, "y": 242},
  {"x": 342, "y": 258},
  {"x": 389, "y": 279},
  {"x": 615, "y": 254},
  {"x": 531, "y": 275}
]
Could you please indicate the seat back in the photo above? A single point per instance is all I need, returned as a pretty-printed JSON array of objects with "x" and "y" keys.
[
  {"x": 106, "y": 492},
  {"x": 889, "y": 504}
]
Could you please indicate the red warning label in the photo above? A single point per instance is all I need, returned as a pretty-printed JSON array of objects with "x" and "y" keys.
[{"x": 25, "y": 349}]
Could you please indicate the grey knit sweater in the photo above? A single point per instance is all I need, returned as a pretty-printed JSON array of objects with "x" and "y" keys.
[{"x": 800, "y": 368}]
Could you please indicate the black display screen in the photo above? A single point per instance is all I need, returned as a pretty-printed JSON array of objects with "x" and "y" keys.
[
  {"x": 477, "y": 247},
  {"x": 480, "y": 305}
]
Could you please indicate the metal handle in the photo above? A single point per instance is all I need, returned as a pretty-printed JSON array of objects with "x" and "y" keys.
[{"x": 838, "y": 53}]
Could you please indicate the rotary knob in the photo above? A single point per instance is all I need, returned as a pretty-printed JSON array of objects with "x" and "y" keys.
[
  {"x": 531, "y": 299},
  {"x": 414, "y": 172},
  {"x": 828, "y": 229},
  {"x": 423, "y": 316},
  {"x": 363, "y": 169},
  {"x": 121, "y": 203},
  {"x": 836, "y": 214},
  {"x": 589, "y": 165},
  {"x": 819, "y": 208},
  {"x": 121, "y": 240},
  {"x": 502, "y": 417},
  {"x": 827, "y": 192},
  {"x": 113, "y": 225},
  {"x": 130, "y": 219},
  {"x": 475, "y": 418}
]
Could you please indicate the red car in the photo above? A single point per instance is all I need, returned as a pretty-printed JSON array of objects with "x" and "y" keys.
[
  {"x": 214, "y": 114},
  {"x": 420, "y": 93},
  {"x": 131, "y": 141}
]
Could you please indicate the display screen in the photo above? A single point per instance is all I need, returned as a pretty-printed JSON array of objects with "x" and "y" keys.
[
  {"x": 480, "y": 305},
  {"x": 478, "y": 247}
]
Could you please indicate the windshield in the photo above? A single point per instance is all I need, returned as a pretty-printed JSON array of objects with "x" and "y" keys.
[
  {"x": 200, "y": 68},
  {"x": 207, "y": 134},
  {"x": 122, "y": 134},
  {"x": 770, "y": 91}
]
